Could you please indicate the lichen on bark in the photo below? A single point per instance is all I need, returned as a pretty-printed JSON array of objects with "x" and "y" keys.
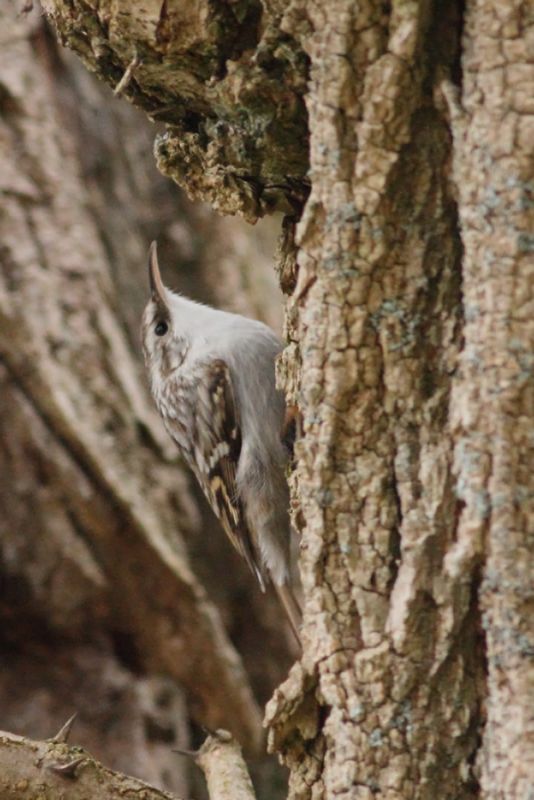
[
  {"x": 493, "y": 398},
  {"x": 226, "y": 80},
  {"x": 375, "y": 327}
]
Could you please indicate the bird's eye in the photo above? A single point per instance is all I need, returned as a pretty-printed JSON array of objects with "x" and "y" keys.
[{"x": 161, "y": 329}]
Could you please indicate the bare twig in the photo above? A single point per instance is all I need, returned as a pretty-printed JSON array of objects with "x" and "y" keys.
[
  {"x": 127, "y": 77},
  {"x": 189, "y": 753}
]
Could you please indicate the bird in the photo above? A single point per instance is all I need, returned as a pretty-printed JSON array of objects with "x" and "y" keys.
[{"x": 212, "y": 376}]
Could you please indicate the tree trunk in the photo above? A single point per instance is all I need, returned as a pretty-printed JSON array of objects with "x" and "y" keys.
[{"x": 405, "y": 256}]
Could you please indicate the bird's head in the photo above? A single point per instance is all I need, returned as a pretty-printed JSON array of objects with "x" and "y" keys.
[{"x": 163, "y": 340}]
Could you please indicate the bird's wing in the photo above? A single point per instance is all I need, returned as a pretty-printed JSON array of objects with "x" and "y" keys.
[{"x": 215, "y": 451}]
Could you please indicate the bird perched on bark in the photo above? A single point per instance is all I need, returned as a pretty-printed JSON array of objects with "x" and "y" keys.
[{"x": 212, "y": 376}]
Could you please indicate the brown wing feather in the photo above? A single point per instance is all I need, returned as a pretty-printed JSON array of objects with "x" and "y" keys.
[{"x": 216, "y": 437}]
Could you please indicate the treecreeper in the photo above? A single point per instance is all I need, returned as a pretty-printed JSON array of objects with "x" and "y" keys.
[{"x": 212, "y": 376}]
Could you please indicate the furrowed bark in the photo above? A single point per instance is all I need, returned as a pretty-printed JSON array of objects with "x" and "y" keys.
[
  {"x": 493, "y": 397},
  {"x": 386, "y": 702}
]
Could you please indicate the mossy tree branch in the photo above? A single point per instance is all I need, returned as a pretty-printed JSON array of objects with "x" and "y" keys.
[{"x": 224, "y": 77}]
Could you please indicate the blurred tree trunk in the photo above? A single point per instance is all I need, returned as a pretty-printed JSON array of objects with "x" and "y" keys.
[
  {"x": 410, "y": 329},
  {"x": 112, "y": 603}
]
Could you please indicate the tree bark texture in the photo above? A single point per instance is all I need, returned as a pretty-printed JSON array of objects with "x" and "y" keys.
[
  {"x": 53, "y": 769},
  {"x": 410, "y": 329},
  {"x": 492, "y": 407},
  {"x": 413, "y": 380},
  {"x": 112, "y": 602},
  {"x": 213, "y": 72}
]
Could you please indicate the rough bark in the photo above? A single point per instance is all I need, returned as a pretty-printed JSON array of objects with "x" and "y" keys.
[
  {"x": 30, "y": 769},
  {"x": 48, "y": 769},
  {"x": 409, "y": 356},
  {"x": 408, "y": 400},
  {"x": 493, "y": 398},
  {"x": 223, "y": 76},
  {"x": 387, "y": 699}
]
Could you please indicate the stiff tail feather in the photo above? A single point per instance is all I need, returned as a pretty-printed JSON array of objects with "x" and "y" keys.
[{"x": 291, "y": 607}]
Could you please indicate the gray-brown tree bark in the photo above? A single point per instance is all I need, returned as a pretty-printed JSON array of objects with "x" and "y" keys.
[
  {"x": 407, "y": 260},
  {"x": 48, "y": 769}
]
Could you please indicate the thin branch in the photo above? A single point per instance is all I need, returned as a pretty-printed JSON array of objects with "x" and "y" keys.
[
  {"x": 30, "y": 769},
  {"x": 221, "y": 759},
  {"x": 127, "y": 77}
]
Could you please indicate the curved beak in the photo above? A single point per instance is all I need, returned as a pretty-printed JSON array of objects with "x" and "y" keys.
[{"x": 157, "y": 288}]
